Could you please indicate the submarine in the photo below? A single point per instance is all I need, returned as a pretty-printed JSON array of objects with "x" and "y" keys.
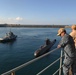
[{"x": 44, "y": 48}]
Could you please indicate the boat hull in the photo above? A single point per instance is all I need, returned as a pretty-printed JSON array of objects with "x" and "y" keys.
[
  {"x": 44, "y": 49},
  {"x": 8, "y": 39}
]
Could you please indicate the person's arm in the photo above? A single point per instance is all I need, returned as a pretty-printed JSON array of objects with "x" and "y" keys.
[{"x": 64, "y": 41}]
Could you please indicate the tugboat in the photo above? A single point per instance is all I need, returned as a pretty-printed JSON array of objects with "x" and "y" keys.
[
  {"x": 45, "y": 48},
  {"x": 8, "y": 37}
]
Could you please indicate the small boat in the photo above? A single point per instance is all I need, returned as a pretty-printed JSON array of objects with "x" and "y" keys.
[
  {"x": 8, "y": 37},
  {"x": 45, "y": 48}
]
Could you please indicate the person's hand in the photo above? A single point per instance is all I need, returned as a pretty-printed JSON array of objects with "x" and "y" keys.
[{"x": 58, "y": 46}]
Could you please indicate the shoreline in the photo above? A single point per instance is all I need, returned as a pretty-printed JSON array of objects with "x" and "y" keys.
[{"x": 35, "y": 26}]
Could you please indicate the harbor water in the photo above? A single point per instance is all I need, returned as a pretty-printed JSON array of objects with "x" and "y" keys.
[{"x": 20, "y": 51}]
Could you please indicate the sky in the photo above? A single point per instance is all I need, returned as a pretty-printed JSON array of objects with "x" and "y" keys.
[{"x": 45, "y": 12}]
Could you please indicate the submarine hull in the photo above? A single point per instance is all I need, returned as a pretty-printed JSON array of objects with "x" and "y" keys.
[{"x": 45, "y": 48}]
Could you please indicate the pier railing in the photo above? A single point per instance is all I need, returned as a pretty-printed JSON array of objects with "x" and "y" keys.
[{"x": 12, "y": 71}]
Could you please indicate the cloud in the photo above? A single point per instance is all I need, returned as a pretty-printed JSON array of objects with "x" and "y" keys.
[
  {"x": 16, "y": 19},
  {"x": 11, "y": 20},
  {"x": 19, "y": 18}
]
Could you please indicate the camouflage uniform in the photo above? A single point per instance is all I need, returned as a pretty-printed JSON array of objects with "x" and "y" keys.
[{"x": 67, "y": 44}]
